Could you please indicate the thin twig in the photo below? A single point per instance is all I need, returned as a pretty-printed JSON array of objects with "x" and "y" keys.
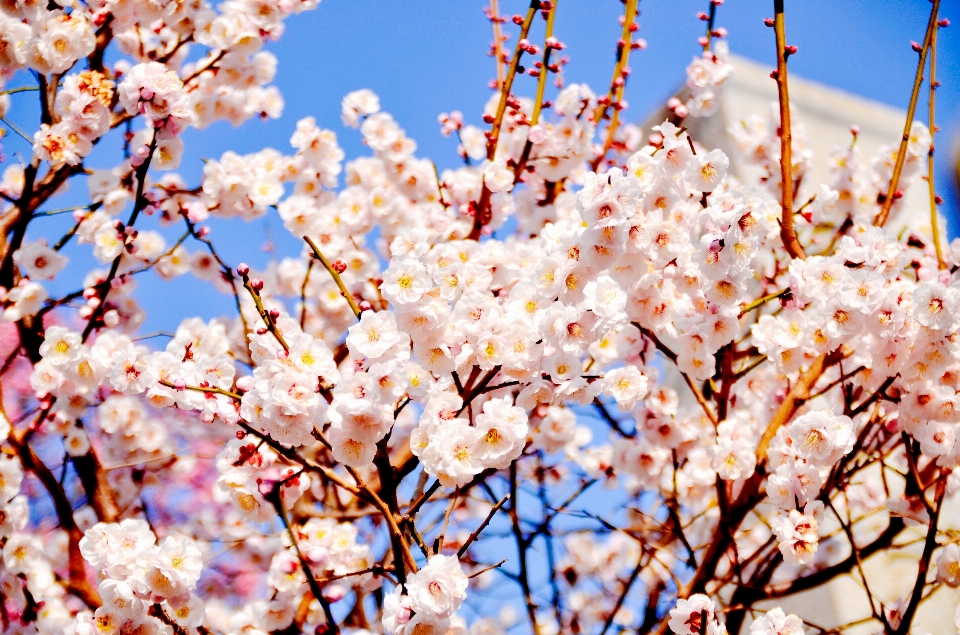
[
  {"x": 335, "y": 275},
  {"x": 911, "y": 109}
]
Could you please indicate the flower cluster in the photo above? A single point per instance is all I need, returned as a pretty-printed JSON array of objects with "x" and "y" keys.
[
  {"x": 138, "y": 574},
  {"x": 428, "y": 600},
  {"x": 419, "y": 407}
]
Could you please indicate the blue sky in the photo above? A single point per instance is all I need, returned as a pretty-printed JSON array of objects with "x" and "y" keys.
[{"x": 424, "y": 57}]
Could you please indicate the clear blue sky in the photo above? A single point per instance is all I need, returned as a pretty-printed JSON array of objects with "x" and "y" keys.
[{"x": 424, "y": 57}]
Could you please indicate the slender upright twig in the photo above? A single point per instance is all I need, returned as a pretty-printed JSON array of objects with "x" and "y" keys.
[
  {"x": 934, "y": 221},
  {"x": 615, "y": 94},
  {"x": 911, "y": 109},
  {"x": 497, "y": 41},
  {"x": 335, "y": 275},
  {"x": 788, "y": 232},
  {"x": 482, "y": 212}
]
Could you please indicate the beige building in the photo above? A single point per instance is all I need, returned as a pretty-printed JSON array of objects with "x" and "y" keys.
[{"x": 827, "y": 115}]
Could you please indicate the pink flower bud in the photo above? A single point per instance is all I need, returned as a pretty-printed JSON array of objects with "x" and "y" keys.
[
  {"x": 203, "y": 232},
  {"x": 274, "y": 314},
  {"x": 180, "y": 385},
  {"x": 243, "y": 270},
  {"x": 537, "y": 134},
  {"x": 256, "y": 284}
]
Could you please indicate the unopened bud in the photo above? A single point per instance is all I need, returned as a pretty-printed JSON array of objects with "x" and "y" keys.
[
  {"x": 274, "y": 314},
  {"x": 243, "y": 270},
  {"x": 256, "y": 284},
  {"x": 768, "y": 22},
  {"x": 339, "y": 266},
  {"x": 916, "y": 47},
  {"x": 517, "y": 19},
  {"x": 111, "y": 319}
]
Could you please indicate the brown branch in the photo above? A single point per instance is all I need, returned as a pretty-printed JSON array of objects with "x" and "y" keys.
[
  {"x": 929, "y": 544},
  {"x": 483, "y": 525},
  {"x": 787, "y": 231},
  {"x": 64, "y": 510}
]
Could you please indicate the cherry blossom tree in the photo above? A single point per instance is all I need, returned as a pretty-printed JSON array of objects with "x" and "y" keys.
[{"x": 587, "y": 382}]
